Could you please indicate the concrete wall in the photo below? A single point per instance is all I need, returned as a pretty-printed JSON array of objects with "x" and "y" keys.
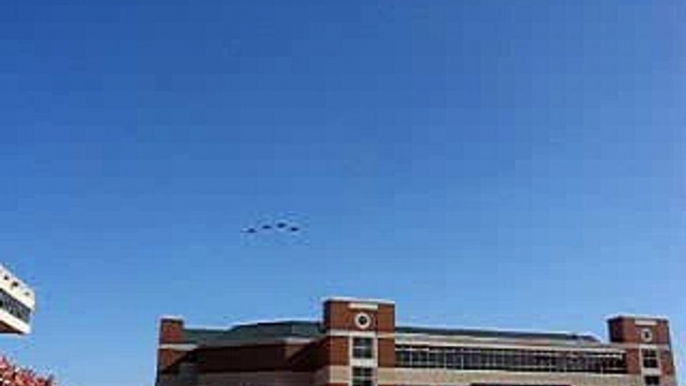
[
  {"x": 408, "y": 377},
  {"x": 431, "y": 377}
]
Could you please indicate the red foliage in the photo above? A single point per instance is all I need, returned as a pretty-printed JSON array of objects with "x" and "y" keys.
[{"x": 12, "y": 375}]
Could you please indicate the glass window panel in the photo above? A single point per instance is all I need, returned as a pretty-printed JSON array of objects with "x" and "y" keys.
[
  {"x": 363, "y": 348},
  {"x": 650, "y": 359},
  {"x": 474, "y": 358}
]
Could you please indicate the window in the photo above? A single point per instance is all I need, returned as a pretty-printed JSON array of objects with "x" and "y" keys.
[
  {"x": 363, "y": 320},
  {"x": 652, "y": 380},
  {"x": 14, "y": 307},
  {"x": 363, "y": 348},
  {"x": 650, "y": 359},
  {"x": 647, "y": 335},
  {"x": 363, "y": 376}
]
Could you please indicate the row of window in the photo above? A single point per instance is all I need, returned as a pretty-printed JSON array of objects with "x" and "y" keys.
[
  {"x": 14, "y": 307},
  {"x": 476, "y": 358}
]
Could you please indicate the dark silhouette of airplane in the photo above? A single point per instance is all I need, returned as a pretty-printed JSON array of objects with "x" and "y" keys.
[{"x": 281, "y": 225}]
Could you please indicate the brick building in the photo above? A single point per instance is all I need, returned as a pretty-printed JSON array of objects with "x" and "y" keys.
[
  {"x": 16, "y": 304},
  {"x": 357, "y": 343}
]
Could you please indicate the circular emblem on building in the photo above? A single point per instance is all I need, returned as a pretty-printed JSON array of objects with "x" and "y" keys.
[
  {"x": 363, "y": 320},
  {"x": 646, "y": 335}
]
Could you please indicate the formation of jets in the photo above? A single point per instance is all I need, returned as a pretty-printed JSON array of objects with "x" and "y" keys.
[{"x": 278, "y": 226}]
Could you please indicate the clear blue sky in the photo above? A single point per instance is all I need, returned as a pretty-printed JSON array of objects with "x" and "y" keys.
[{"x": 484, "y": 163}]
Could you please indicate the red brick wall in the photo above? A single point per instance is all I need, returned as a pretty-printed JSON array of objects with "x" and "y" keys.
[
  {"x": 386, "y": 318},
  {"x": 335, "y": 351},
  {"x": 616, "y": 328},
  {"x": 307, "y": 358},
  {"x": 633, "y": 361},
  {"x": 667, "y": 363},
  {"x": 661, "y": 332},
  {"x": 272, "y": 357},
  {"x": 167, "y": 360},
  {"x": 386, "y": 352},
  {"x": 625, "y": 330},
  {"x": 171, "y": 331},
  {"x": 339, "y": 316}
]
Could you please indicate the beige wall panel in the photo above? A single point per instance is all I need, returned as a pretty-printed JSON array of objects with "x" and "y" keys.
[{"x": 431, "y": 377}]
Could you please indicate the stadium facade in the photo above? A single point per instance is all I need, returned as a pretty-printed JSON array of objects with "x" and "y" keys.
[
  {"x": 17, "y": 303},
  {"x": 358, "y": 343}
]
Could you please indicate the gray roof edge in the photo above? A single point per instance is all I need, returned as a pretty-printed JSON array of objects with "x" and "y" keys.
[
  {"x": 256, "y": 342},
  {"x": 356, "y": 300},
  {"x": 497, "y": 333},
  {"x": 277, "y": 323},
  {"x": 255, "y": 333},
  {"x": 637, "y": 316}
]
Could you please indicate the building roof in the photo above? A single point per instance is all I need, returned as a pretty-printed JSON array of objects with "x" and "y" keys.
[
  {"x": 255, "y": 333},
  {"x": 270, "y": 332},
  {"x": 500, "y": 334}
]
